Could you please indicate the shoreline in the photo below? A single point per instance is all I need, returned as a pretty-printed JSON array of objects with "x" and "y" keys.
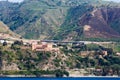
[{"x": 52, "y": 76}]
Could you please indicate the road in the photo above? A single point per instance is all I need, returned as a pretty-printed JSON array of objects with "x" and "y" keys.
[
  {"x": 56, "y": 41},
  {"x": 85, "y": 42}
]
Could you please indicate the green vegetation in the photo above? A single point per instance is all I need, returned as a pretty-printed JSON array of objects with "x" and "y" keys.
[
  {"x": 78, "y": 56},
  {"x": 115, "y": 25},
  {"x": 24, "y": 58},
  {"x": 39, "y": 18},
  {"x": 101, "y": 39},
  {"x": 71, "y": 22},
  {"x": 93, "y": 47},
  {"x": 60, "y": 73},
  {"x": 53, "y": 19},
  {"x": 95, "y": 58},
  {"x": 114, "y": 46},
  {"x": 37, "y": 73},
  {"x": 58, "y": 20},
  {"x": 5, "y": 30},
  {"x": 28, "y": 62}
]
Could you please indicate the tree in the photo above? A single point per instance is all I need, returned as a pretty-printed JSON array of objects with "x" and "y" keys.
[
  {"x": 59, "y": 74},
  {"x": 66, "y": 73},
  {"x": 92, "y": 62},
  {"x": 78, "y": 65},
  {"x": 116, "y": 68},
  {"x": 37, "y": 73},
  {"x": 18, "y": 42},
  {"x": 5, "y": 43},
  {"x": 101, "y": 61},
  {"x": 105, "y": 70}
]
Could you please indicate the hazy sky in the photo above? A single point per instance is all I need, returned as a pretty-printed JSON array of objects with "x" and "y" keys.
[
  {"x": 114, "y": 0},
  {"x": 16, "y": 0},
  {"x": 13, "y": 0},
  {"x": 22, "y": 0}
]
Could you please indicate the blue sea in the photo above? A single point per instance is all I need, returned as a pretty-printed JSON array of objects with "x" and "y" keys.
[{"x": 79, "y": 78}]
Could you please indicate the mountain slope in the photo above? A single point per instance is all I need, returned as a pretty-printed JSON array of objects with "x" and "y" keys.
[
  {"x": 34, "y": 19},
  {"x": 98, "y": 22},
  {"x": 62, "y": 19},
  {"x": 89, "y": 22},
  {"x": 5, "y": 30}
]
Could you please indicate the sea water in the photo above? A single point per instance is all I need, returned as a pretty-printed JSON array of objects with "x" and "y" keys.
[{"x": 69, "y": 78}]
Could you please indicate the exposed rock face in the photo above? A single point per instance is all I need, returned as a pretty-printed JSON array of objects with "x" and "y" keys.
[
  {"x": 46, "y": 19},
  {"x": 102, "y": 22},
  {"x": 99, "y": 21},
  {"x": 7, "y": 67}
]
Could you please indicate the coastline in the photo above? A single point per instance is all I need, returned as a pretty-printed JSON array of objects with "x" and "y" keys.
[{"x": 52, "y": 76}]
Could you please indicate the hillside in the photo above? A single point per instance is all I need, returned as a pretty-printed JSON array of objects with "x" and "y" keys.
[
  {"x": 85, "y": 21},
  {"x": 75, "y": 58},
  {"x": 5, "y": 30},
  {"x": 62, "y": 19},
  {"x": 41, "y": 21},
  {"x": 58, "y": 34},
  {"x": 102, "y": 23}
]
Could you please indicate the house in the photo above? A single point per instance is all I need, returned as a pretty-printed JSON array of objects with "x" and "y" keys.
[
  {"x": 118, "y": 54},
  {"x": 2, "y": 41},
  {"x": 38, "y": 47},
  {"x": 43, "y": 46},
  {"x": 104, "y": 53},
  {"x": 87, "y": 53}
]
